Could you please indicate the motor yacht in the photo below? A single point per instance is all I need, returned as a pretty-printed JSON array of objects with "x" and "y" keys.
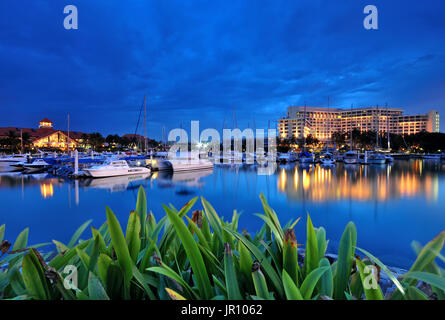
[
  {"x": 376, "y": 158},
  {"x": 37, "y": 166},
  {"x": 351, "y": 157},
  {"x": 327, "y": 159},
  {"x": 114, "y": 168},
  {"x": 6, "y": 164},
  {"x": 305, "y": 157}
]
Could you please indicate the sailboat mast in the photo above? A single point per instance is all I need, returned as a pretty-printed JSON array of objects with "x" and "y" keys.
[
  {"x": 304, "y": 127},
  {"x": 378, "y": 129},
  {"x": 329, "y": 125},
  {"x": 68, "y": 145},
  {"x": 145, "y": 123},
  {"x": 350, "y": 120},
  {"x": 21, "y": 141},
  {"x": 387, "y": 127}
]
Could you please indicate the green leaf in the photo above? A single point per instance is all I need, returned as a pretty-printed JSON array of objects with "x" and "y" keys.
[
  {"x": 103, "y": 263},
  {"x": 193, "y": 254},
  {"x": 430, "y": 278},
  {"x": 2, "y": 232},
  {"x": 22, "y": 240},
  {"x": 327, "y": 279},
  {"x": 60, "y": 261},
  {"x": 344, "y": 262},
  {"x": 141, "y": 280},
  {"x": 78, "y": 233},
  {"x": 245, "y": 260},
  {"x": 265, "y": 264},
  {"x": 233, "y": 292},
  {"x": 290, "y": 255},
  {"x": 415, "y": 294},
  {"x": 185, "y": 209},
  {"x": 321, "y": 242},
  {"x": 291, "y": 290},
  {"x": 385, "y": 269},
  {"x": 311, "y": 257},
  {"x": 141, "y": 210},
  {"x": 429, "y": 253},
  {"x": 272, "y": 227},
  {"x": 259, "y": 282},
  {"x": 309, "y": 283},
  {"x": 133, "y": 235},
  {"x": 34, "y": 278},
  {"x": 61, "y": 248},
  {"x": 270, "y": 213},
  {"x": 120, "y": 246},
  {"x": 369, "y": 282},
  {"x": 213, "y": 218},
  {"x": 96, "y": 290},
  {"x": 168, "y": 272}
]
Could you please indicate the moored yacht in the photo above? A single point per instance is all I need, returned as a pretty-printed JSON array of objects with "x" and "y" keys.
[
  {"x": 7, "y": 163},
  {"x": 305, "y": 157},
  {"x": 351, "y": 157},
  {"x": 376, "y": 158},
  {"x": 327, "y": 159},
  {"x": 190, "y": 164},
  {"x": 36, "y": 166},
  {"x": 389, "y": 158},
  {"x": 114, "y": 168}
]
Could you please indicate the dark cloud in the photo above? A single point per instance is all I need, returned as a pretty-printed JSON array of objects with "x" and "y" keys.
[{"x": 203, "y": 60}]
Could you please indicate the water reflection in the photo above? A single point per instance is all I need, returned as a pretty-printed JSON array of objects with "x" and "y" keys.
[
  {"x": 115, "y": 184},
  {"x": 391, "y": 205},
  {"x": 47, "y": 190},
  {"x": 362, "y": 183}
]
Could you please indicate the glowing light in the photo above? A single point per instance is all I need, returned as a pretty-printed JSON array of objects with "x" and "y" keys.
[{"x": 46, "y": 190}]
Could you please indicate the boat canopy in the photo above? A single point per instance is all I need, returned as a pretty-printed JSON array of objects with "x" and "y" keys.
[{"x": 304, "y": 154}]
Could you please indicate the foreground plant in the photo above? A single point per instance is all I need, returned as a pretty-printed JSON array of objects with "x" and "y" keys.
[{"x": 204, "y": 257}]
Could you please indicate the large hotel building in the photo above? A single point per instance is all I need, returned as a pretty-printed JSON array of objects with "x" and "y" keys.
[{"x": 322, "y": 122}]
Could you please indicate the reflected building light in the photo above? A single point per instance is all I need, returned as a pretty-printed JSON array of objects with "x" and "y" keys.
[
  {"x": 46, "y": 190},
  {"x": 282, "y": 180},
  {"x": 296, "y": 179},
  {"x": 306, "y": 180}
]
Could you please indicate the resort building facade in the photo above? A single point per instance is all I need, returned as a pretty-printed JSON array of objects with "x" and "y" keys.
[
  {"x": 322, "y": 122},
  {"x": 45, "y": 136}
]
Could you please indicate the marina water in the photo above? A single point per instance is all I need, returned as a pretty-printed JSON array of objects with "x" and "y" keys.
[{"x": 391, "y": 205}]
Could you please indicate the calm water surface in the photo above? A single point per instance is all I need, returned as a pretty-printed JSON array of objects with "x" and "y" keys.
[{"x": 390, "y": 205}]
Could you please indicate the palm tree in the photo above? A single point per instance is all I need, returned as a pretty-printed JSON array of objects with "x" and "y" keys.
[
  {"x": 12, "y": 140},
  {"x": 26, "y": 139}
]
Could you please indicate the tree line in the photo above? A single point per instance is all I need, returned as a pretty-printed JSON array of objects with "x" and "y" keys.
[
  {"x": 12, "y": 142},
  {"x": 367, "y": 140}
]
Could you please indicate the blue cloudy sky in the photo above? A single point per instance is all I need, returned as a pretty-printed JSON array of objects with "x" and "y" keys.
[{"x": 199, "y": 60}]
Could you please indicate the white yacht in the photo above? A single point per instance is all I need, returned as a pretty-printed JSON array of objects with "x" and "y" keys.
[
  {"x": 7, "y": 162},
  {"x": 36, "y": 166},
  {"x": 350, "y": 157},
  {"x": 114, "y": 168},
  {"x": 305, "y": 157},
  {"x": 376, "y": 158},
  {"x": 286, "y": 157},
  {"x": 327, "y": 159},
  {"x": 431, "y": 156},
  {"x": 389, "y": 158},
  {"x": 190, "y": 164}
]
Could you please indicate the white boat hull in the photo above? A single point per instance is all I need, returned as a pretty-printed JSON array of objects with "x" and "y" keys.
[
  {"x": 306, "y": 160},
  {"x": 350, "y": 161},
  {"x": 376, "y": 161},
  {"x": 190, "y": 165},
  {"x": 100, "y": 173},
  {"x": 327, "y": 162}
]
